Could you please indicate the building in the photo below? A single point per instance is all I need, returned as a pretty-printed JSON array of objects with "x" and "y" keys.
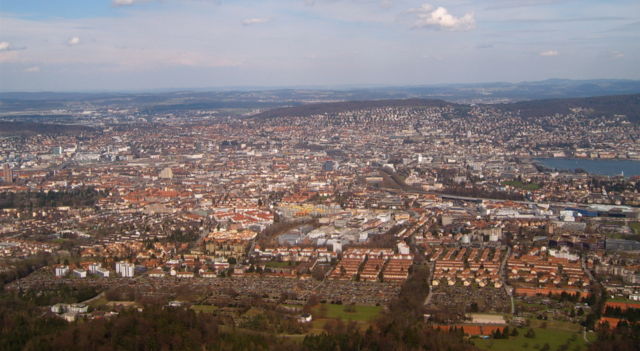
[
  {"x": 208, "y": 274},
  {"x": 69, "y": 312},
  {"x": 125, "y": 269},
  {"x": 305, "y": 318},
  {"x": 403, "y": 248},
  {"x": 157, "y": 273},
  {"x": 93, "y": 267},
  {"x": 62, "y": 271},
  {"x": 80, "y": 273},
  {"x": 7, "y": 174},
  {"x": 78, "y": 308},
  {"x": 166, "y": 173},
  {"x": 103, "y": 272},
  {"x": 185, "y": 275}
]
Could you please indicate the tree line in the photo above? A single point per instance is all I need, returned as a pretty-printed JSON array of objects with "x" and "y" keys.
[{"x": 78, "y": 197}]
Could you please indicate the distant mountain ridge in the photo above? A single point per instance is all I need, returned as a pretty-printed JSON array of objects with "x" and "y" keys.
[
  {"x": 263, "y": 98},
  {"x": 628, "y": 105}
]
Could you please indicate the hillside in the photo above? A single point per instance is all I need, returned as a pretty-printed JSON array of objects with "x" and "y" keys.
[
  {"x": 628, "y": 105},
  {"x": 28, "y": 128},
  {"x": 337, "y": 107}
]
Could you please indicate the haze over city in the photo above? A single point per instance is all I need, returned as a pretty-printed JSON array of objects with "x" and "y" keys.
[{"x": 71, "y": 45}]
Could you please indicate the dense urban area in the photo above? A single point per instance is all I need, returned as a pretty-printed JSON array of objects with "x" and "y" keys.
[{"x": 372, "y": 225}]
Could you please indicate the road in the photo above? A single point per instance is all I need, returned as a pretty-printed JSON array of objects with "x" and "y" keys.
[
  {"x": 100, "y": 295},
  {"x": 432, "y": 267},
  {"x": 584, "y": 268},
  {"x": 503, "y": 276}
]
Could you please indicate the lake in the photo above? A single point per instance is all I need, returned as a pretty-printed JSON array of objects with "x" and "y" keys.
[{"x": 593, "y": 166}]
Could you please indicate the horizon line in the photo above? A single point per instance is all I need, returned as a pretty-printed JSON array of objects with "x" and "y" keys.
[{"x": 321, "y": 87}]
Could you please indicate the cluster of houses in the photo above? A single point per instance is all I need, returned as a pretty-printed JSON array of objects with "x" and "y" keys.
[
  {"x": 246, "y": 217},
  {"x": 372, "y": 265},
  {"x": 174, "y": 271},
  {"x": 539, "y": 272},
  {"x": 69, "y": 312},
  {"x": 229, "y": 243},
  {"x": 467, "y": 266},
  {"x": 24, "y": 248},
  {"x": 622, "y": 306},
  {"x": 294, "y": 254}
]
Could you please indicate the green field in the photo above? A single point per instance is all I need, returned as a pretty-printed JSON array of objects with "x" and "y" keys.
[
  {"x": 277, "y": 264},
  {"x": 635, "y": 226},
  {"x": 97, "y": 302},
  {"x": 553, "y": 337},
  {"x": 621, "y": 299},
  {"x": 556, "y": 325},
  {"x": 555, "y": 333},
  {"x": 204, "y": 308},
  {"x": 523, "y": 186},
  {"x": 362, "y": 315},
  {"x": 533, "y": 306}
]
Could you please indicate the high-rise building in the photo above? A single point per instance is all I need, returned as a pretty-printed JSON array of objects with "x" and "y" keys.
[
  {"x": 7, "y": 174},
  {"x": 125, "y": 269},
  {"x": 61, "y": 271}
]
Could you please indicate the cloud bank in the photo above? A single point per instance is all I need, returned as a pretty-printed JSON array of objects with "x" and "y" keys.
[
  {"x": 439, "y": 18},
  {"x": 127, "y": 44}
]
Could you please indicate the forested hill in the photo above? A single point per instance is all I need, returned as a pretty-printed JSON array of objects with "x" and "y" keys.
[
  {"x": 28, "y": 128},
  {"x": 628, "y": 105},
  {"x": 337, "y": 107}
]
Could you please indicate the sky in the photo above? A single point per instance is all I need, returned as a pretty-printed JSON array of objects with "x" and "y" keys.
[{"x": 130, "y": 45}]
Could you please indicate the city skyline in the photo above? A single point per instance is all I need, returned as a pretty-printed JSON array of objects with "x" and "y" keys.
[{"x": 140, "y": 45}]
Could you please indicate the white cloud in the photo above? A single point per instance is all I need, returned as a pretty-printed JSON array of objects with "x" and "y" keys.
[
  {"x": 7, "y": 52},
  {"x": 549, "y": 53},
  {"x": 617, "y": 54},
  {"x": 252, "y": 21},
  {"x": 440, "y": 18},
  {"x": 122, "y": 2},
  {"x": 73, "y": 41},
  {"x": 32, "y": 69}
]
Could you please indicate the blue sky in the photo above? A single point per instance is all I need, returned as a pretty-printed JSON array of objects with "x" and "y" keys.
[{"x": 76, "y": 45}]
